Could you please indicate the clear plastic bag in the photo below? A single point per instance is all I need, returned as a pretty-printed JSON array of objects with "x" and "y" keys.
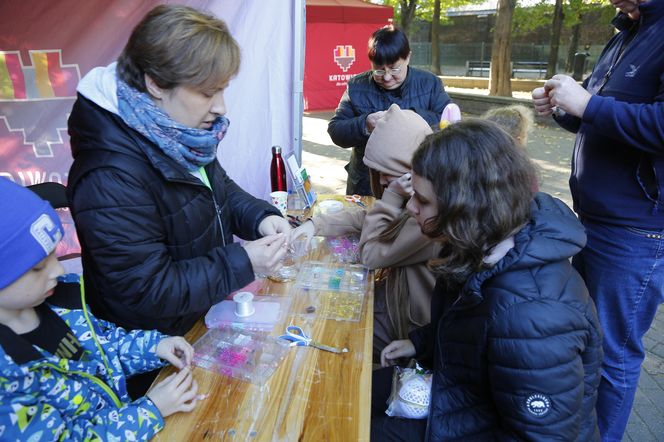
[{"x": 411, "y": 392}]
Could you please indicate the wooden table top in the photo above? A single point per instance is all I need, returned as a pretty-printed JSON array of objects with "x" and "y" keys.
[{"x": 314, "y": 395}]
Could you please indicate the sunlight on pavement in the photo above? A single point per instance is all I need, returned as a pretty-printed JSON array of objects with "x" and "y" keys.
[
  {"x": 327, "y": 174},
  {"x": 315, "y": 131}
]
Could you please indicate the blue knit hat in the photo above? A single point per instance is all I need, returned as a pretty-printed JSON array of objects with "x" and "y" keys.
[{"x": 29, "y": 231}]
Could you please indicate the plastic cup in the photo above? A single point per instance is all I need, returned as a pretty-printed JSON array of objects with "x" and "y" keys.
[
  {"x": 290, "y": 265},
  {"x": 280, "y": 201}
]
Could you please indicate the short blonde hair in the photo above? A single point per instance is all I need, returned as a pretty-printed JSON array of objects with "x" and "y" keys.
[
  {"x": 516, "y": 120},
  {"x": 179, "y": 45}
]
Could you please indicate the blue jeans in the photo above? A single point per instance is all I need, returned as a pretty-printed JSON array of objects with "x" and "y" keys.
[{"x": 623, "y": 268}]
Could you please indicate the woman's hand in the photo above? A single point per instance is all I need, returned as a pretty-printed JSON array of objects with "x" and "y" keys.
[
  {"x": 176, "y": 393},
  {"x": 176, "y": 350},
  {"x": 402, "y": 186},
  {"x": 403, "y": 348},
  {"x": 267, "y": 253},
  {"x": 306, "y": 229},
  {"x": 273, "y": 224}
]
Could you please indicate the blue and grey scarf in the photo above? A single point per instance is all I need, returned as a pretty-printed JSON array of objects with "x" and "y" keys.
[{"x": 190, "y": 147}]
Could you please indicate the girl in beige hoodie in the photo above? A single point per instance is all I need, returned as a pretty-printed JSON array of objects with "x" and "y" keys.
[{"x": 390, "y": 239}]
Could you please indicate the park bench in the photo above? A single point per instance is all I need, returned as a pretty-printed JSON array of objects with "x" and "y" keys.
[
  {"x": 529, "y": 67},
  {"x": 482, "y": 68}
]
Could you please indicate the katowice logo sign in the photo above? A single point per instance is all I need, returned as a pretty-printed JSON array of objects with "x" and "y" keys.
[{"x": 344, "y": 56}]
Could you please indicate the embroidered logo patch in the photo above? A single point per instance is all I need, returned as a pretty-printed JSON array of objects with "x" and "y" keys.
[
  {"x": 632, "y": 71},
  {"x": 538, "y": 404},
  {"x": 46, "y": 233}
]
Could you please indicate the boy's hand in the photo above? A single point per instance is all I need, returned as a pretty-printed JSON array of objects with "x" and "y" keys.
[
  {"x": 176, "y": 350},
  {"x": 175, "y": 393},
  {"x": 402, "y": 348}
]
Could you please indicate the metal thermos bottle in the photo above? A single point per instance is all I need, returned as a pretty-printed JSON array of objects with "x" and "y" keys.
[{"x": 278, "y": 170}]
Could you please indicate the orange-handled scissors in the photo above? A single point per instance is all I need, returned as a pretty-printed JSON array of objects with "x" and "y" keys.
[{"x": 357, "y": 199}]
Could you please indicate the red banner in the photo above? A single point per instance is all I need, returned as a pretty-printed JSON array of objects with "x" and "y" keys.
[{"x": 337, "y": 35}]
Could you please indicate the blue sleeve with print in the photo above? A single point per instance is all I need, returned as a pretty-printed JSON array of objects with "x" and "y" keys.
[
  {"x": 27, "y": 417},
  {"x": 136, "y": 350}
]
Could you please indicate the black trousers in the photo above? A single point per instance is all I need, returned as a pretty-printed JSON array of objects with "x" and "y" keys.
[{"x": 138, "y": 385}]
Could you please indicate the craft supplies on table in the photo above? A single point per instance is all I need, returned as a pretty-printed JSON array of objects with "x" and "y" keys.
[
  {"x": 316, "y": 275},
  {"x": 294, "y": 401},
  {"x": 297, "y": 337},
  {"x": 338, "y": 289},
  {"x": 355, "y": 199},
  {"x": 241, "y": 354},
  {"x": 268, "y": 310},
  {"x": 290, "y": 265},
  {"x": 345, "y": 248},
  {"x": 340, "y": 306}
]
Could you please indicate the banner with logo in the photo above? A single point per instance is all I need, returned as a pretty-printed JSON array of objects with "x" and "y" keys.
[
  {"x": 46, "y": 47},
  {"x": 336, "y": 47}
]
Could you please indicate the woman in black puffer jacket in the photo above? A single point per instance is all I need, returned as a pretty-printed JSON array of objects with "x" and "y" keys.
[
  {"x": 514, "y": 342},
  {"x": 154, "y": 210}
]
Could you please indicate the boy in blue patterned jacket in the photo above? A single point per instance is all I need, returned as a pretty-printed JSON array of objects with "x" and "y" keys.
[{"x": 62, "y": 371}]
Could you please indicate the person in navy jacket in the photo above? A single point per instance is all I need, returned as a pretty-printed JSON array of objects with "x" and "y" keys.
[
  {"x": 369, "y": 94},
  {"x": 617, "y": 186}
]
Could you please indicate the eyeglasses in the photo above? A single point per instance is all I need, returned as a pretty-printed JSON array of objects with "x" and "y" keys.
[{"x": 391, "y": 71}]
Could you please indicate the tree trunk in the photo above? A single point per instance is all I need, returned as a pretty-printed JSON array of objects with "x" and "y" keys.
[
  {"x": 557, "y": 27},
  {"x": 573, "y": 46},
  {"x": 435, "y": 42},
  {"x": 407, "y": 14},
  {"x": 501, "y": 52}
]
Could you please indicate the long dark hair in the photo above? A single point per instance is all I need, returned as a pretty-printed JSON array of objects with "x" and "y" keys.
[{"x": 482, "y": 182}]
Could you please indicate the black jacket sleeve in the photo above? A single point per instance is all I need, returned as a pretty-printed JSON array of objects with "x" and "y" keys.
[{"x": 347, "y": 126}]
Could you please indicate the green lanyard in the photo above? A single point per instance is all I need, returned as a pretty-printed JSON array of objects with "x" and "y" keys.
[{"x": 204, "y": 177}]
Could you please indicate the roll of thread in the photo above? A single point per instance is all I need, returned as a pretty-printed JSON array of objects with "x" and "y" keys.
[{"x": 244, "y": 304}]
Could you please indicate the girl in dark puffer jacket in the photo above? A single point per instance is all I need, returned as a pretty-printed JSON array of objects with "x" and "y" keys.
[{"x": 514, "y": 341}]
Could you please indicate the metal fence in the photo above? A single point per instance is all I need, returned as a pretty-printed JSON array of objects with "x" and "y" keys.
[{"x": 453, "y": 57}]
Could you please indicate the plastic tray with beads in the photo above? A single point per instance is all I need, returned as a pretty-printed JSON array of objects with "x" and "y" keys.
[
  {"x": 332, "y": 277},
  {"x": 339, "y": 288},
  {"x": 249, "y": 356}
]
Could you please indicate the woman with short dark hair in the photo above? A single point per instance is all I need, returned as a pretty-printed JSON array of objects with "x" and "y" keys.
[
  {"x": 368, "y": 95},
  {"x": 514, "y": 341}
]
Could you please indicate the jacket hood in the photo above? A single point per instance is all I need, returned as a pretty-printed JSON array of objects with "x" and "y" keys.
[
  {"x": 100, "y": 86},
  {"x": 393, "y": 142},
  {"x": 554, "y": 233},
  {"x": 94, "y": 121}
]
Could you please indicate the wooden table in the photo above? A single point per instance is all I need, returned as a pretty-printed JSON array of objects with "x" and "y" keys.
[{"x": 313, "y": 396}]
